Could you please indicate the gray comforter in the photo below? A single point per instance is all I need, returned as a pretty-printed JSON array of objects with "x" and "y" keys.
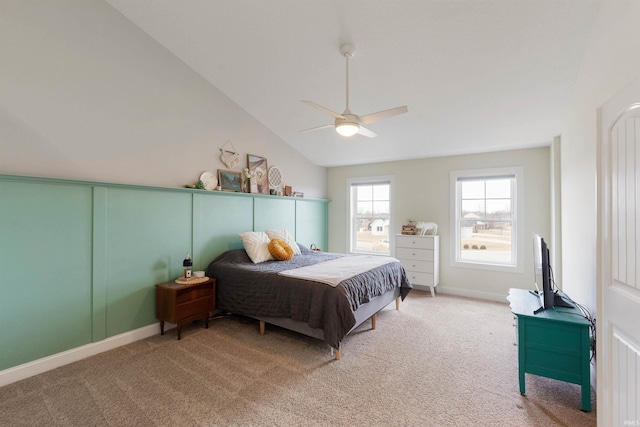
[{"x": 256, "y": 290}]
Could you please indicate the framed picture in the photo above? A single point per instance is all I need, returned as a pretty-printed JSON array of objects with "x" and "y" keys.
[
  {"x": 229, "y": 180},
  {"x": 260, "y": 178}
]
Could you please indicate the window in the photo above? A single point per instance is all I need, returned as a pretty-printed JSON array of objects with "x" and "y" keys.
[
  {"x": 485, "y": 216},
  {"x": 369, "y": 214}
]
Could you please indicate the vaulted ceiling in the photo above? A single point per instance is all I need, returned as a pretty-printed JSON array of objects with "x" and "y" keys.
[{"x": 476, "y": 75}]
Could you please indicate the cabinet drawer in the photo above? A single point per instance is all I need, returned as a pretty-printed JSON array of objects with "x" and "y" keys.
[
  {"x": 414, "y": 242},
  {"x": 411, "y": 253},
  {"x": 425, "y": 279},
  {"x": 417, "y": 266}
]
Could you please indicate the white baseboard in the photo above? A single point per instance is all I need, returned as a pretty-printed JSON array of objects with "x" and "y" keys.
[
  {"x": 48, "y": 363},
  {"x": 466, "y": 293}
]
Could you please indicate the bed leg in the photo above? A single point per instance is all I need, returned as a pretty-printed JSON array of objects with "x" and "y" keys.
[
  {"x": 337, "y": 351},
  {"x": 398, "y": 303},
  {"x": 373, "y": 322},
  {"x": 262, "y": 327}
]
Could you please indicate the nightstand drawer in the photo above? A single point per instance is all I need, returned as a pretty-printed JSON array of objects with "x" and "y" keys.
[
  {"x": 414, "y": 242},
  {"x": 410, "y": 253},
  {"x": 417, "y": 266},
  {"x": 197, "y": 292},
  {"x": 194, "y": 307}
]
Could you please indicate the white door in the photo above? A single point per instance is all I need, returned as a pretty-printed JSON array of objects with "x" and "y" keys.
[{"x": 618, "y": 318}]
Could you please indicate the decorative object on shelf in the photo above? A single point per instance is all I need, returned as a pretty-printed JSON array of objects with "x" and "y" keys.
[
  {"x": 246, "y": 180},
  {"x": 259, "y": 180},
  {"x": 426, "y": 228},
  {"x": 298, "y": 194},
  {"x": 409, "y": 228},
  {"x": 229, "y": 180},
  {"x": 208, "y": 180},
  {"x": 287, "y": 190},
  {"x": 275, "y": 179},
  {"x": 229, "y": 155}
]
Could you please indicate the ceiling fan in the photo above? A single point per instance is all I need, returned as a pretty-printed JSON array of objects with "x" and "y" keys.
[{"x": 347, "y": 123}]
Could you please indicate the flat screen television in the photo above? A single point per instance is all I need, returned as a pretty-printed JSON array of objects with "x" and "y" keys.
[
  {"x": 544, "y": 278},
  {"x": 542, "y": 272}
]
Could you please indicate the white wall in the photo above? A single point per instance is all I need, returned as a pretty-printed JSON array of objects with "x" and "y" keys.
[
  {"x": 85, "y": 94},
  {"x": 612, "y": 61},
  {"x": 422, "y": 193}
]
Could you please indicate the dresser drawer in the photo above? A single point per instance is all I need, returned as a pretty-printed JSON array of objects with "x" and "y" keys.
[
  {"x": 414, "y": 242},
  {"x": 417, "y": 266},
  {"x": 418, "y": 254},
  {"x": 424, "y": 279}
]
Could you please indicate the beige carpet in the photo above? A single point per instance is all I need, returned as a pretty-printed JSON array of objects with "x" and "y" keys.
[{"x": 443, "y": 361}]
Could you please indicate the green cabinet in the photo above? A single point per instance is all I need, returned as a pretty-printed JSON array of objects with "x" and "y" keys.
[{"x": 553, "y": 343}]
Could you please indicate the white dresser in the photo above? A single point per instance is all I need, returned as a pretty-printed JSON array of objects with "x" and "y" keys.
[{"x": 420, "y": 257}]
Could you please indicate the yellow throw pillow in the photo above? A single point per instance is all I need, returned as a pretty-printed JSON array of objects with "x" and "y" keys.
[{"x": 280, "y": 250}]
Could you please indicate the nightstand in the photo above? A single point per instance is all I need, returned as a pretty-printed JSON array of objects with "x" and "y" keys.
[{"x": 180, "y": 304}]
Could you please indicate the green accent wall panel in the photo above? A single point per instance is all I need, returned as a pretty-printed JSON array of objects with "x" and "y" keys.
[
  {"x": 311, "y": 223},
  {"x": 45, "y": 270},
  {"x": 217, "y": 221},
  {"x": 274, "y": 214},
  {"x": 79, "y": 260},
  {"x": 149, "y": 234}
]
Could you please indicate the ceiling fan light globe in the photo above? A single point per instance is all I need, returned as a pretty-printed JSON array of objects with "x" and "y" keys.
[{"x": 347, "y": 129}]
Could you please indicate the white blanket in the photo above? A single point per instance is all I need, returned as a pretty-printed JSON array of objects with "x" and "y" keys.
[{"x": 336, "y": 270}]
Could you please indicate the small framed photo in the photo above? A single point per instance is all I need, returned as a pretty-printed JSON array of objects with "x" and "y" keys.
[
  {"x": 259, "y": 174},
  {"x": 229, "y": 180}
]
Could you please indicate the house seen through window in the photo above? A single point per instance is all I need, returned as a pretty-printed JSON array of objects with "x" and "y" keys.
[
  {"x": 485, "y": 217},
  {"x": 370, "y": 215}
]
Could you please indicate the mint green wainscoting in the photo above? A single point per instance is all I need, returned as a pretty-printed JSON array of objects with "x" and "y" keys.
[
  {"x": 79, "y": 260},
  {"x": 312, "y": 224},
  {"x": 275, "y": 214},
  {"x": 217, "y": 222},
  {"x": 149, "y": 235},
  {"x": 45, "y": 269}
]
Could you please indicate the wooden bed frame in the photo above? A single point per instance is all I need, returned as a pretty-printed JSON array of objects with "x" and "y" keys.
[{"x": 363, "y": 313}]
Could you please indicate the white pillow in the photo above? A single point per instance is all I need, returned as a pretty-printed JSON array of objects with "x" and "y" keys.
[
  {"x": 287, "y": 237},
  {"x": 256, "y": 243}
]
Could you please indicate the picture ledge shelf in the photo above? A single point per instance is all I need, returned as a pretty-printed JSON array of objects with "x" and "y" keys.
[{"x": 68, "y": 181}]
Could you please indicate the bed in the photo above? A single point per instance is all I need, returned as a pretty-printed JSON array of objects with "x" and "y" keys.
[{"x": 271, "y": 292}]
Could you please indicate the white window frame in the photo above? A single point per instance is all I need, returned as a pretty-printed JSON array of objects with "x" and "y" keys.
[
  {"x": 351, "y": 232},
  {"x": 517, "y": 205}
]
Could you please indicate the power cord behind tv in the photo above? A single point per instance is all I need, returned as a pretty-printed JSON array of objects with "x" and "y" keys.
[{"x": 584, "y": 313}]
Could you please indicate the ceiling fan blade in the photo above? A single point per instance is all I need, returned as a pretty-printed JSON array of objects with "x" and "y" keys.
[
  {"x": 318, "y": 128},
  {"x": 367, "y": 132},
  {"x": 326, "y": 110},
  {"x": 374, "y": 117}
]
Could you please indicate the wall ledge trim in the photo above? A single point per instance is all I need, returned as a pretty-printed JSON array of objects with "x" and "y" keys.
[{"x": 47, "y": 180}]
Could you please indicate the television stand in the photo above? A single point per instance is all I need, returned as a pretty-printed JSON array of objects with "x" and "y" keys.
[
  {"x": 553, "y": 343},
  {"x": 558, "y": 301}
]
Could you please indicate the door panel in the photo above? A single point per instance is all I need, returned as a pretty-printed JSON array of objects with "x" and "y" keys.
[{"x": 618, "y": 350}]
